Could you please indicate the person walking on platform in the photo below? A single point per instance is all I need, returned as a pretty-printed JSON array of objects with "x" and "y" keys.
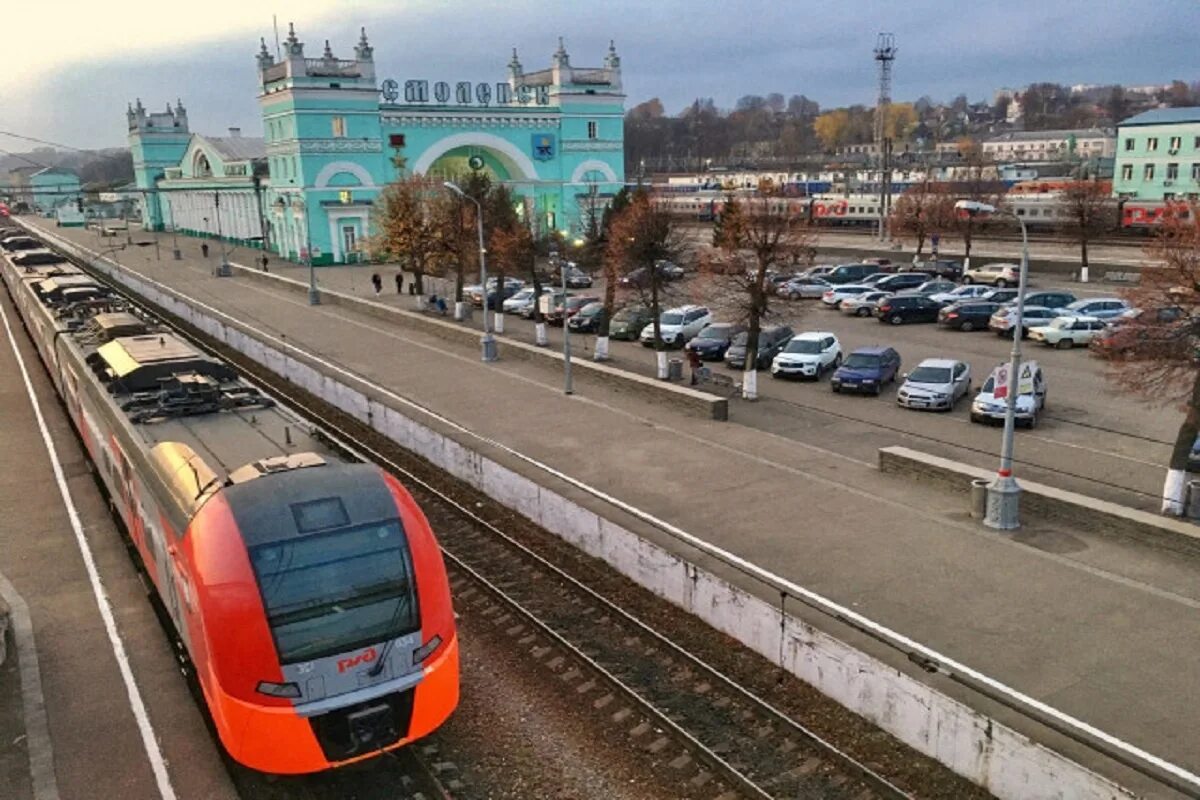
[
  {"x": 377, "y": 282},
  {"x": 264, "y": 263},
  {"x": 204, "y": 249},
  {"x": 399, "y": 283}
]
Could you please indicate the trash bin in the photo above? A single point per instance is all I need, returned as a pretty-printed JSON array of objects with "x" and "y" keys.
[
  {"x": 1191, "y": 500},
  {"x": 979, "y": 493},
  {"x": 675, "y": 369}
]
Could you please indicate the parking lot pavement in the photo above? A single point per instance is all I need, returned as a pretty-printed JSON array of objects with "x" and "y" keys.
[
  {"x": 1092, "y": 438},
  {"x": 94, "y": 745}
]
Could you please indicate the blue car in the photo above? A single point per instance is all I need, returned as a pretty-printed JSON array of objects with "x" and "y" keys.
[{"x": 866, "y": 370}]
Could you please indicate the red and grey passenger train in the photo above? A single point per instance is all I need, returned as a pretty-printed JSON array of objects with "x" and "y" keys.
[{"x": 309, "y": 592}]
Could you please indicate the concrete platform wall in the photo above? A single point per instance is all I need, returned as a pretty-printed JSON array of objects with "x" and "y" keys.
[{"x": 1004, "y": 761}]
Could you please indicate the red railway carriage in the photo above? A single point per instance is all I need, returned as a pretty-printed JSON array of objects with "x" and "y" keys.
[{"x": 309, "y": 592}]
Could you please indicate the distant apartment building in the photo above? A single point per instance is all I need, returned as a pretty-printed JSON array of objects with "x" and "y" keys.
[
  {"x": 1158, "y": 155},
  {"x": 1022, "y": 146}
]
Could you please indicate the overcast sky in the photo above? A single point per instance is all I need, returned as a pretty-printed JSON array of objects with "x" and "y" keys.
[{"x": 71, "y": 66}]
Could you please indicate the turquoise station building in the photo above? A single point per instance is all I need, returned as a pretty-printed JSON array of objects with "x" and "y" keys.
[{"x": 334, "y": 136}]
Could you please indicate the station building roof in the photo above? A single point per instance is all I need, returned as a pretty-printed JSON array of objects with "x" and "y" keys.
[{"x": 1165, "y": 116}]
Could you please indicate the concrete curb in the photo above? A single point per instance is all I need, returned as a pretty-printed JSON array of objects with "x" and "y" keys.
[
  {"x": 1050, "y": 503},
  {"x": 679, "y": 397}
]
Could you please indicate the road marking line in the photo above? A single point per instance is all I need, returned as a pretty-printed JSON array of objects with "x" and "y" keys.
[
  {"x": 149, "y": 742},
  {"x": 33, "y": 701}
]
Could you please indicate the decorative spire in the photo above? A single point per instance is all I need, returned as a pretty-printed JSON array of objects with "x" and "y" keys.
[
  {"x": 561, "y": 59},
  {"x": 295, "y": 47},
  {"x": 169, "y": 111},
  {"x": 328, "y": 54},
  {"x": 139, "y": 108},
  {"x": 515, "y": 70},
  {"x": 179, "y": 109},
  {"x": 612, "y": 60},
  {"x": 363, "y": 50}
]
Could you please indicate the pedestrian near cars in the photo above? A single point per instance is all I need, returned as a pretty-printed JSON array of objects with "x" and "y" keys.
[
  {"x": 693, "y": 358},
  {"x": 399, "y": 283},
  {"x": 377, "y": 282}
]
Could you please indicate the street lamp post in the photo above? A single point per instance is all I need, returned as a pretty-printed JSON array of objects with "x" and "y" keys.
[
  {"x": 487, "y": 344},
  {"x": 314, "y": 296},
  {"x": 225, "y": 270},
  {"x": 568, "y": 382},
  {"x": 1004, "y": 493}
]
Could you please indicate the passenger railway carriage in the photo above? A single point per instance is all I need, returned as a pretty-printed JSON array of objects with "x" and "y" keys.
[{"x": 309, "y": 592}]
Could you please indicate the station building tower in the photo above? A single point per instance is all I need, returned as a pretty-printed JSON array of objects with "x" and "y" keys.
[
  {"x": 324, "y": 149},
  {"x": 157, "y": 141}
]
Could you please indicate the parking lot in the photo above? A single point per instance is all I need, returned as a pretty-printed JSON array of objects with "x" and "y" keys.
[{"x": 1090, "y": 437}]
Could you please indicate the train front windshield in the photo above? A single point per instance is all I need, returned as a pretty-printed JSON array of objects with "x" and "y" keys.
[{"x": 332, "y": 592}]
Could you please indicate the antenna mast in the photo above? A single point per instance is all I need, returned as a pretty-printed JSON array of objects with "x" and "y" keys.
[{"x": 885, "y": 54}]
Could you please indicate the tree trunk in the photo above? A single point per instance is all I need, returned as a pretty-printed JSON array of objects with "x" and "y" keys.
[
  {"x": 661, "y": 353},
  {"x": 419, "y": 280},
  {"x": 610, "y": 300},
  {"x": 1083, "y": 258},
  {"x": 920, "y": 244},
  {"x": 967, "y": 246},
  {"x": 1175, "y": 486}
]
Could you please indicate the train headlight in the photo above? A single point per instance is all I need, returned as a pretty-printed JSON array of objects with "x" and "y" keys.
[
  {"x": 285, "y": 690},
  {"x": 423, "y": 652}
]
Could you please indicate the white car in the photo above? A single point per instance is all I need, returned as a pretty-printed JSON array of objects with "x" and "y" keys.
[
  {"x": 1030, "y": 400},
  {"x": 677, "y": 325},
  {"x": 807, "y": 355},
  {"x": 862, "y": 305},
  {"x": 834, "y": 295},
  {"x": 1066, "y": 332},
  {"x": 960, "y": 294},
  {"x": 520, "y": 300},
  {"x": 798, "y": 288},
  {"x": 936, "y": 383}
]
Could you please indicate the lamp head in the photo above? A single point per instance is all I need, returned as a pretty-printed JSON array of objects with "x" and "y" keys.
[
  {"x": 972, "y": 208},
  {"x": 452, "y": 186}
]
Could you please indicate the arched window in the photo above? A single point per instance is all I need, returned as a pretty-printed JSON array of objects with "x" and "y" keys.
[{"x": 201, "y": 167}]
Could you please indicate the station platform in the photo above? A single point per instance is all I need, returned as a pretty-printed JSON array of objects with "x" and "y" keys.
[
  {"x": 1102, "y": 629},
  {"x": 68, "y": 728}
]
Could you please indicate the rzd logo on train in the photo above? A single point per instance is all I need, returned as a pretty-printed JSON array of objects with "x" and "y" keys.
[{"x": 365, "y": 657}]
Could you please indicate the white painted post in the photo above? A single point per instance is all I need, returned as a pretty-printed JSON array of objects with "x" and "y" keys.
[
  {"x": 662, "y": 364},
  {"x": 750, "y": 384},
  {"x": 539, "y": 335},
  {"x": 498, "y": 322},
  {"x": 601, "y": 351},
  {"x": 1174, "y": 492},
  {"x": 460, "y": 311}
]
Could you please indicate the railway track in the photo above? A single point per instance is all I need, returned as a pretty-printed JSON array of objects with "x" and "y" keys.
[{"x": 718, "y": 739}]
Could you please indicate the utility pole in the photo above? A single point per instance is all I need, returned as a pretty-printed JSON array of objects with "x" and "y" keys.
[{"x": 885, "y": 54}]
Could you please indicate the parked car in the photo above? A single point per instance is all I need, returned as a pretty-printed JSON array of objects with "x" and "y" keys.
[
  {"x": 770, "y": 341},
  {"x": 850, "y": 273},
  {"x": 972, "y": 316},
  {"x": 934, "y": 286},
  {"x": 1067, "y": 332},
  {"x": 1049, "y": 299},
  {"x": 875, "y": 278},
  {"x": 819, "y": 271},
  {"x": 520, "y": 302},
  {"x": 712, "y": 342},
  {"x": 677, "y": 325},
  {"x": 577, "y": 278},
  {"x": 807, "y": 355},
  {"x": 901, "y": 308},
  {"x": 1000, "y": 296},
  {"x": 1136, "y": 327},
  {"x": 936, "y": 383},
  {"x": 1029, "y": 402},
  {"x": 16, "y": 243},
  {"x": 36, "y": 258},
  {"x": 587, "y": 319},
  {"x": 998, "y": 275},
  {"x": 628, "y": 322},
  {"x": 547, "y": 302},
  {"x": 1005, "y": 318},
  {"x": 862, "y": 305},
  {"x": 569, "y": 307},
  {"x": 474, "y": 292},
  {"x": 960, "y": 294},
  {"x": 834, "y": 295},
  {"x": 902, "y": 282},
  {"x": 1098, "y": 307},
  {"x": 669, "y": 269},
  {"x": 867, "y": 369},
  {"x": 802, "y": 288},
  {"x": 943, "y": 268}
]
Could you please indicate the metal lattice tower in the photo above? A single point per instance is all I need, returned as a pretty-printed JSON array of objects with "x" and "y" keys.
[{"x": 885, "y": 54}]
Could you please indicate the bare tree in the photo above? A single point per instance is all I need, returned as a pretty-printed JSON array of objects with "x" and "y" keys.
[
  {"x": 641, "y": 236},
  {"x": 454, "y": 218},
  {"x": 757, "y": 237},
  {"x": 405, "y": 229},
  {"x": 1156, "y": 354},
  {"x": 1087, "y": 210},
  {"x": 610, "y": 268},
  {"x": 510, "y": 247},
  {"x": 978, "y": 185},
  {"x": 924, "y": 209}
]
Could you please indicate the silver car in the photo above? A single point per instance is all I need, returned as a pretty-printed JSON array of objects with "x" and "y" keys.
[
  {"x": 936, "y": 383},
  {"x": 862, "y": 305},
  {"x": 803, "y": 288}
]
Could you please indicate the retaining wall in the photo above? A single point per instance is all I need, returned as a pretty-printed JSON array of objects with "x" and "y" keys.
[
  {"x": 1049, "y": 503},
  {"x": 991, "y": 754}
]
